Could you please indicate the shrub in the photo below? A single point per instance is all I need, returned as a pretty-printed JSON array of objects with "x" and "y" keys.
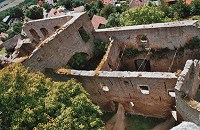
[
  {"x": 99, "y": 47},
  {"x": 78, "y": 61}
]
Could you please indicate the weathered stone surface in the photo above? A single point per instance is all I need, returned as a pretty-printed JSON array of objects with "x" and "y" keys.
[
  {"x": 160, "y": 35},
  {"x": 56, "y": 50},
  {"x": 186, "y": 90},
  {"x": 186, "y": 126}
]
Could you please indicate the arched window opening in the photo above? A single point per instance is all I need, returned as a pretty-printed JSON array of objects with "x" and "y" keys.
[{"x": 44, "y": 32}]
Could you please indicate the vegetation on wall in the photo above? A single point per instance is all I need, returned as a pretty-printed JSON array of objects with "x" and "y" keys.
[
  {"x": 131, "y": 53},
  {"x": 79, "y": 61},
  {"x": 194, "y": 43},
  {"x": 99, "y": 47},
  {"x": 84, "y": 35},
  {"x": 159, "y": 52},
  {"x": 32, "y": 101},
  {"x": 99, "y": 50}
]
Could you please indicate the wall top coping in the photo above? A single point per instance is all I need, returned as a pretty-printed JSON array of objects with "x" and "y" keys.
[
  {"x": 56, "y": 17},
  {"x": 149, "y": 26},
  {"x": 122, "y": 74},
  {"x": 51, "y": 37}
]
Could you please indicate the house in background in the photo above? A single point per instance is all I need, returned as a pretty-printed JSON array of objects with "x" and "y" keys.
[
  {"x": 109, "y": 2},
  {"x": 98, "y": 21}
]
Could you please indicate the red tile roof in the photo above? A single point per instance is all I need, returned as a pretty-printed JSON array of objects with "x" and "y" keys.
[
  {"x": 188, "y": 1},
  {"x": 3, "y": 35},
  {"x": 136, "y": 3},
  {"x": 97, "y": 20},
  {"x": 53, "y": 12},
  {"x": 107, "y": 1},
  {"x": 79, "y": 9}
]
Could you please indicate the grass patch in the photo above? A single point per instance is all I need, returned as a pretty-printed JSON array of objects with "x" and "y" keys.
[
  {"x": 2, "y": 51},
  {"x": 135, "y": 122}
]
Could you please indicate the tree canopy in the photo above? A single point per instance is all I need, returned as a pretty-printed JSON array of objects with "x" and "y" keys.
[
  {"x": 3, "y": 27},
  {"x": 195, "y": 7},
  {"x": 17, "y": 27},
  {"x": 142, "y": 15},
  {"x": 35, "y": 13},
  {"x": 31, "y": 101},
  {"x": 16, "y": 12}
]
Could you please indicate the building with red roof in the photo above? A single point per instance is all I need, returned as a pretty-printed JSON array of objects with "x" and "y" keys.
[
  {"x": 97, "y": 21},
  {"x": 109, "y": 1}
]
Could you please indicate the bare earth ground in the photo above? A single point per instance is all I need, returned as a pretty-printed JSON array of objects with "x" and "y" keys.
[{"x": 9, "y": 3}]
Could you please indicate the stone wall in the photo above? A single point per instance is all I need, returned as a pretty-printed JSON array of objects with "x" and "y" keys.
[
  {"x": 111, "y": 59},
  {"x": 186, "y": 91},
  {"x": 56, "y": 50},
  {"x": 167, "y": 61},
  {"x": 160, "y": 35},
  {"x": 108, "y": 88},
  {"x": 43, "y": 28}
]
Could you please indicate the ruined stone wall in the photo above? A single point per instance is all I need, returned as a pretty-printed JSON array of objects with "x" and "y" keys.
[
  {"x": 48, "y": 24},
  {"x": 111, "y": 59},
  {"x": 186, "y": 89},
  {"x": 160, "y": 35},
  {"x": 55, "y": 51},
  {"x": 106, "y": 88},
  {"x": 162, "y": 62}
]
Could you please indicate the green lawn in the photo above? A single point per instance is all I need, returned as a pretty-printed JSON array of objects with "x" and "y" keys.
[{"x": 135, "y": 122}]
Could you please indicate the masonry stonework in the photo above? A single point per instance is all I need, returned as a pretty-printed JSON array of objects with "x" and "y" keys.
[
  {"x": 160, "y": 35},
  {"x": 141, "y": 93},
  {"x": 187, "y": 86},
  {"x": 56, "y": 50}
]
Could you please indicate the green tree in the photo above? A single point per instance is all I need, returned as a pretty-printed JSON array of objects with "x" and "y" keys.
[
  {"x": 195, "y": 7},
  {"x": 35, "y": 13},
  {"x": 181, "y": 9},
  {"x": 113, "y": 20},
  {"x": 93, "y": 8},
  {"x": 16, "y": 12},
  {"x": 124, "y": 7},
  {"x": 142, "y": 15},
  {"x": 107, "y": 10},
  {"x": 3, "y": 27},
  {"x": 17, "y": 27},
  {"x": 32, "y": 101},
  {"x": 66, "y": 3},
  {"x": 47, "y": 6},
  {"x": 99, "y": 4},
  {"x": 76, "y": 3}
]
